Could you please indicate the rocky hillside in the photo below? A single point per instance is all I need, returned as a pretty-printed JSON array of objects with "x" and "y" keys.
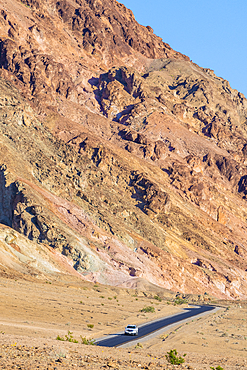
[{"x": 122, "y": 162}]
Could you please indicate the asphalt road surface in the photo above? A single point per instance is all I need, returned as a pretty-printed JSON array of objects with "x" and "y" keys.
[{"x": 118, "y": 339}]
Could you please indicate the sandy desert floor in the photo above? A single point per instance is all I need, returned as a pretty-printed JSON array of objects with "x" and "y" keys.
[{"x": 33, "y": 314}]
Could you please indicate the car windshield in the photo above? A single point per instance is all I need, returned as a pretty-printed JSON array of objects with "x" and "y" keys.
[{"x": 131, "y": 326}]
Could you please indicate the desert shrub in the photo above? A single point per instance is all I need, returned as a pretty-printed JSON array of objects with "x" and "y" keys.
[
  {"x": 179, "y": 301},
  {"x": 68, "y": 338},
  {"x": 59, "y": 338},
  {"x": 148, "y": 309},
  {"x": 86, "y": 341},
  {"x": 158, "y": 298},
  {"x": 173, "y": 358},
  {"x": 90, "y": 326},
  {"x": 139, "y": 345},
  {"x": 217, "y": 368}
]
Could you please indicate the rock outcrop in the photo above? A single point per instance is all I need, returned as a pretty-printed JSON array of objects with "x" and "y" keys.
[{"x": 121, "y": 160}]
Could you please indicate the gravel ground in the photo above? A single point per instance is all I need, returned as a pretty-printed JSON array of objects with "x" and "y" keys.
[{"x": 33, "y": 314}]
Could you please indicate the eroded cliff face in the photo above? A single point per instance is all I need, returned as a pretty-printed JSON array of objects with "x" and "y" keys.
[{"x": 121, "y": 160}]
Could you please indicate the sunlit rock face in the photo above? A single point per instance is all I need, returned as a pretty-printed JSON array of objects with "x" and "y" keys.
[{"x": 122, "y": 162}]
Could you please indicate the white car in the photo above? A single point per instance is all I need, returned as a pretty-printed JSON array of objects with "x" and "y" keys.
[{"x": 131, "y": 330}]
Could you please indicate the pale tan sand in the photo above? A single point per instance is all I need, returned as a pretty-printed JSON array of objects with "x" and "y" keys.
[{"x": 33, "y": 314}]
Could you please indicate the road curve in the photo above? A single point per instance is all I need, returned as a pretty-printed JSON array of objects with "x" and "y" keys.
[{"x": 116, "y": 340}]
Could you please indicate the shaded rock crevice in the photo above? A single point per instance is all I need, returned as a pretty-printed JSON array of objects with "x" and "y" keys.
[{"x": 8, "y": 194}]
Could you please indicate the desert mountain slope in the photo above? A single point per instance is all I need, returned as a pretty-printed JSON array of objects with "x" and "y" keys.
[{"x": 121, "y": 160}]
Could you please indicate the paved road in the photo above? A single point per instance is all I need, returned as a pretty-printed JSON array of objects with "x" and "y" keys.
[{"x": 118, "y": 339}]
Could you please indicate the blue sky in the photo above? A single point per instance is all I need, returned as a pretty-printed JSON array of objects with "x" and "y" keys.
[{"x": 213, "y": 33}]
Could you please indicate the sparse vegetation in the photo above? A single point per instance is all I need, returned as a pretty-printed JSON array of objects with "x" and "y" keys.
[
  {"x": 139, "y": 345},
  {"x": 86, "y": 341},
  {"x": 173, "y": 358},
  {"x": 148, "y": 309},
  {"x": 91, "y": 326},
  {"x": 179, "y": 301},
  {"x": 59, "y": 338},
  {"x": 68, "y": 338},
  {"x": 216, "y": 368},
  {"x": 158, "y": 298}
]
